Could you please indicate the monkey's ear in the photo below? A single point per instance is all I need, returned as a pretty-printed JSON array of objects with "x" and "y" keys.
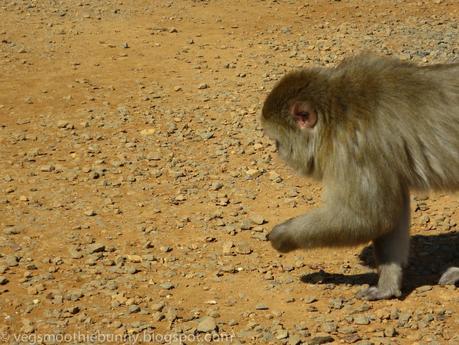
[{"x": 303, "y": 114}]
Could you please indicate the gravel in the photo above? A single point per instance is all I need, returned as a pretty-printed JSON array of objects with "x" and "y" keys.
[
  {"x": 206, "y": 324},
  {"x": 137, "y": 188}
]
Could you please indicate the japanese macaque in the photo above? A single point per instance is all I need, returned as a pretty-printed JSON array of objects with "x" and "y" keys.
[{"x": 371, "y": 129}]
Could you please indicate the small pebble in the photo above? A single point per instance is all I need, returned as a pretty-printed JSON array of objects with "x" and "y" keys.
[{"x": 206, "y": 324}]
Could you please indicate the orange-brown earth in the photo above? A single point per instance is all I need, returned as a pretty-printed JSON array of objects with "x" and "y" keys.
[{"x": 137, "y": 188}]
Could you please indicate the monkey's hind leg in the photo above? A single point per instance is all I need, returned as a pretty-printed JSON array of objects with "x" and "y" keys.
[
  {"x": 450, "y": 277},
  {"x": 391, "y": 252}
]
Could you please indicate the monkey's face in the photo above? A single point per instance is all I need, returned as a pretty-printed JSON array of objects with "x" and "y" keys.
[
  {"x": 290, "y": 117},
  {"x": 282, "y": 150},
  {"x": 296, "y": 149},
  {"x": 294, "y": 134}
]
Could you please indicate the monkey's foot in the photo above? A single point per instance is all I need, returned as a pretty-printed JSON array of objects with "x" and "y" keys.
[
  {"x": 281, "y": 238},
  {"x": 374, "y": 293},
  {"x": 450, "y": 277}
]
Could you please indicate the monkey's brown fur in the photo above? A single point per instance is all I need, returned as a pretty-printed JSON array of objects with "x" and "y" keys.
[{"x": 371, "y": 128}]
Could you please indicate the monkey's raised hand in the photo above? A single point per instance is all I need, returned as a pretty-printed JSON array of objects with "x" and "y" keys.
[
  {"x": 282, "y": 237},
  {"x": 305, "y": 231}
]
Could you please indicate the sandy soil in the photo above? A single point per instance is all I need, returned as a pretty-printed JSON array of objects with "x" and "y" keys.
[{"x": 137, "y": 188}]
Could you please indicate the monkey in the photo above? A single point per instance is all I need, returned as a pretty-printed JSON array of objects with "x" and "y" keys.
[{"x": 371, "y": 129}]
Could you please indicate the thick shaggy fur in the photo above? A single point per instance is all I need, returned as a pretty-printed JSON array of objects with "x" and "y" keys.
[{"x": 384, "y": 127}]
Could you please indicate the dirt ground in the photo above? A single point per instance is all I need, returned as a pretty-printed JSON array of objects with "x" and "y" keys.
[{"x": 137, "y": 187}]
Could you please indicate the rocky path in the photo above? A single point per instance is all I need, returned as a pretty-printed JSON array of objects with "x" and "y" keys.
[{"x": 137, "y": 188}]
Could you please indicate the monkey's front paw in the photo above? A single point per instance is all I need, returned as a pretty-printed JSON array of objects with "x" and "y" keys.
[
  {"x": 281, "y": 239},
  {"x": 374, "y": 293}
]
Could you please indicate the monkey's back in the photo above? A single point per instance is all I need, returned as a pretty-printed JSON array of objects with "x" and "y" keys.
[{"x": 415, "y": 128}]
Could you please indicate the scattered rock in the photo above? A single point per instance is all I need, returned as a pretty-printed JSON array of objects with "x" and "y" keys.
[
  {"x": 150, "y": 215},
  {"x": 361, "y": 320},
  {"x": 96, "y": 248},
  {"x": 90, "y": 213},
  {"x": 261, "y": 307},
  {"x": 258, "y": 219},
  {"x": 243, "y": 248},
  {"x": 133, "y": 308},
  {"x": 227, "y": 248},
  {"x": 318, "y": 340},
  {"x": 148, "y": 131},
  {"x": 206, "y": 324},
  {"x": 282, "y": 334},
  {"x": 167, "y": 286},
  {"x": 12, "y": 230},
  {"x": 11, "y": 260}
]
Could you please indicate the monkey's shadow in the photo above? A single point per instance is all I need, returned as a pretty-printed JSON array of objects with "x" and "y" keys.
[{"x": 430, "y": 256}]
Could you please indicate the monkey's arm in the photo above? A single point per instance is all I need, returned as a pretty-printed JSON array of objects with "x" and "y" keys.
[
  {"x": 377, "y": 211},
  {"x": 357, "y": 210},
  {"x": 323, "y": 227}
]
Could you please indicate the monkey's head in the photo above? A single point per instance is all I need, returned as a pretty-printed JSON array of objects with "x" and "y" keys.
[{"x": 291, "y": 116}]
